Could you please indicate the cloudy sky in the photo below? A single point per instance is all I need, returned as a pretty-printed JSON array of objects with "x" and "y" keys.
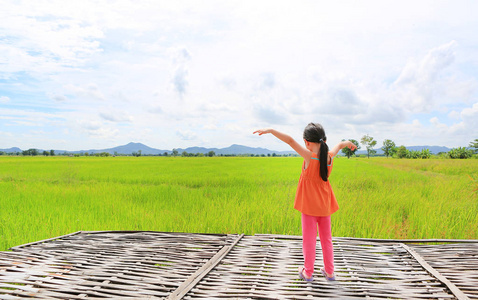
[{"x": 97, "y": 74}]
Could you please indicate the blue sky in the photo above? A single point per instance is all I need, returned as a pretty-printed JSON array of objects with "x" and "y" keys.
[{"x": 96, "y": 74}]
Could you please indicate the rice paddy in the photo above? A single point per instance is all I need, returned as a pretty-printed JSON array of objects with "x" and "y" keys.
[{"x": 43, "y": 197}]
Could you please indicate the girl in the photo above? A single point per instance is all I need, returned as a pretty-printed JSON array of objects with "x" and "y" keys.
[{"x": 314, "y": 198}]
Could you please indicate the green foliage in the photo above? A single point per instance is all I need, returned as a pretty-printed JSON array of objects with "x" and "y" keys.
[
  {"x": 460, "y": 152},
  {"x": 402, "y": 152},
  {"x": 347, "y": 150},
  {"x": 43, "y": 197},
  {"x": 388, "y": 148},
  {"x": 369, "y": 143},
  {"x": 413, "y": 154},
  {"x": 425, "y": 153},
  {"x": 30, "y": 152},
  {"x": 474, "y": 145},
  {"x": 102, "y": 154}
]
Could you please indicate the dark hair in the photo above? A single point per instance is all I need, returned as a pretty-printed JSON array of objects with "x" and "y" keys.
[{"x": 315, "y": 133}]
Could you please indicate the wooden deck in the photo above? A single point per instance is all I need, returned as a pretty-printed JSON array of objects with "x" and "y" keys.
[{"x": 190, "y": 266}]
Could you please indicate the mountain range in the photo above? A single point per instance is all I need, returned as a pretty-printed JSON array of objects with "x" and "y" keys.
[
  {"x": 146, "y": 150},
  {"x": 231, "y": 150}
]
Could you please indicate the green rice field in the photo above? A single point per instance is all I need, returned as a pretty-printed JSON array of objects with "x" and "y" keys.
[{"x": 43, "y": 197}]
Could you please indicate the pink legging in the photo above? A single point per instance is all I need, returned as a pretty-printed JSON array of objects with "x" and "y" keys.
[{"x": 309, "y": 240}]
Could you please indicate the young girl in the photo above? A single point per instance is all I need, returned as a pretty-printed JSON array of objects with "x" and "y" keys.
[{"x": 314, "y": 198}]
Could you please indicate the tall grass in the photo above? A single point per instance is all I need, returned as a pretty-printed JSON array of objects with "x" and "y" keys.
[{"x": 42, "y": 197}]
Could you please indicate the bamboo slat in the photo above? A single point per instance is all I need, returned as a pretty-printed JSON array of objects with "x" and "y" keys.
[{"x": 140, "y": 264}]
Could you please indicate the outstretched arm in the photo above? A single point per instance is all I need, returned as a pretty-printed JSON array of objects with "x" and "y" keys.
[
  {"x": 301, "y": 150},
  {"x": 342, "y": 145}
]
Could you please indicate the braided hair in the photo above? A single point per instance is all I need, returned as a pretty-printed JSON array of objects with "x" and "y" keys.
[{"x": 315, "y": 133}]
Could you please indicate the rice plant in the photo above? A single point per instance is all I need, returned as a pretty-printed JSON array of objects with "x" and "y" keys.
[{"x": 43, "y": 197}]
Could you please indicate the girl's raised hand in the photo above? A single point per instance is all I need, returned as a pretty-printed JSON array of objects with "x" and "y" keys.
[
  {"x": 262, "y": 131},
  {"x": 351, "y": 145}
]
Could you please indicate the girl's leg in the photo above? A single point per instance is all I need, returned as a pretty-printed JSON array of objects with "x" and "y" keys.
[
  {"x": 309, "y": 239},
  {"x": 325, "y": 234}
]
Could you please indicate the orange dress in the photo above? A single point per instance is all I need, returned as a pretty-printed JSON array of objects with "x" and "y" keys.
[{"x": 314, "y": 196}]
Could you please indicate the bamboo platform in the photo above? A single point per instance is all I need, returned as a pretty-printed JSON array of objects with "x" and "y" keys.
[{"x": 143, "y": 264}]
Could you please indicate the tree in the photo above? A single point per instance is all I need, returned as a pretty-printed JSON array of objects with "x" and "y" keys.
[
  {"x": 474, "y": 144},
  {"x": 46, "y": 153},
  {"x": 211, "y": 154},
  {"x": 402, "y": 152},
  {"x": 388, "y": 147},
  {"x": 460, "y": 152},
  {"x": 52, "y": 152},
  {"x": 175, "y": 152},
  {"x": 425, "y": 153},
  {"x": 369, "y": 143},
  {"x": 32, "y": 152},
  {"x": 347, "y": 150}
]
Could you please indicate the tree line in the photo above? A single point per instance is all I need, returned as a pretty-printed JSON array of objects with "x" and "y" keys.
[
  {"x": 174, "y": 153},
  {"x": 389, "y": 148}
]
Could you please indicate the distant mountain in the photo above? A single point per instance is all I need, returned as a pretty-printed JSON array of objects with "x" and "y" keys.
[
  {"x": 248, "y": 150},
  {"x": 11, "y": 150},
  {"x": 128, "y": 149},
  {"x": 196, "y": 150},
  {"x": 145, "y": 150},
  {"x": 234, "y": 150},
  {"x": 433, "y": 149}
]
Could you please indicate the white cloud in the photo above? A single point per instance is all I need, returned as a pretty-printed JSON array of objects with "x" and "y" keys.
[
  {"x": 420, "y": 83},
  {"x": 40, "y": 40},
  {"x": 186, "y": 135},
  {"x": 4, "y": 99},
  {"x": 271, "y": 114},
  {"x": 179, "y": 77},
  {"x": 59, "y": 98},
  {"x": 179, "y": 80},
  {"x": 90, "y": 125},
  {"x": 152, "y": 69},
  {"x": 97, "y": 130},
  {"x": 91, "y": 91},
  {"x": 470, "y": 120},
  {"x": 156, "y": 109},
  {"x": 210, "y": 127},
  {"x": 340, "y": 101},
  {"x": 107, "y": 133},
  {"x": 437, "y": 123},
  {"x": 115, "y": 116}
]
